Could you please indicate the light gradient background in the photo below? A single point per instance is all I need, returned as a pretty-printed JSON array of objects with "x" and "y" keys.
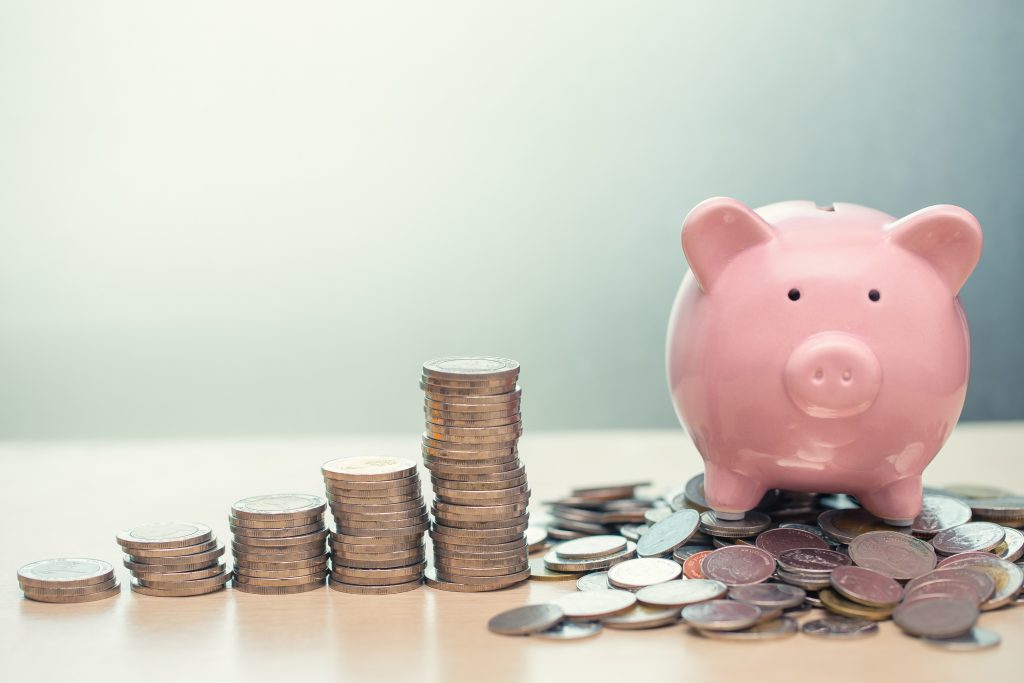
[{"x": 246, "y": 218}]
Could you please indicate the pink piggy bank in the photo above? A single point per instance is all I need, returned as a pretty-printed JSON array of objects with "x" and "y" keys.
[{"x": 820, "y": 349}]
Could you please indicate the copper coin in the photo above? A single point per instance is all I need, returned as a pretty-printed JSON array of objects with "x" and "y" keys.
[
  {"x": 738, "y": 565},
  {"x": 866, "y": 586}
]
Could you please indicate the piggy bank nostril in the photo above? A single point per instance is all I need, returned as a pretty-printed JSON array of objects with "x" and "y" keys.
[{"x": 847, "y": 375}]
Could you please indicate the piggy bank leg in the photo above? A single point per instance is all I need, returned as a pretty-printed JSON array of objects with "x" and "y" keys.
[
  {"x": 897, "y": 503},
  {"x": 730, "y": 494}
]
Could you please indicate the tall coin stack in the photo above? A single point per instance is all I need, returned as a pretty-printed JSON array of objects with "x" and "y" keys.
[
  {"x": 279, "y": 543},
  {"x": 174, "y": 559},
  {"x": 380, "y": 518},
  {"x": 473, "y": 425}
]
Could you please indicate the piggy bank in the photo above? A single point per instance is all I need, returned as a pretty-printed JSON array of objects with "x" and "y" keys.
[{"x": 820, "y": 349}]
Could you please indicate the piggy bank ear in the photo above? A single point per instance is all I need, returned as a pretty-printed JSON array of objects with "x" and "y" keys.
[
  {"x": 715, "y": 231},
  {"x": 948, "y": 237}
]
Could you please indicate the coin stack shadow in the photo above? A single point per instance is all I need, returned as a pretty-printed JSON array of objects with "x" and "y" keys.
[
  {"x": 174, "y": 559},
  {"x": 65, "y": 580},
  {"x": 470, "y": 446},
  {"x": 380, "y": 517},
  {"x": 279, "y": 544}
]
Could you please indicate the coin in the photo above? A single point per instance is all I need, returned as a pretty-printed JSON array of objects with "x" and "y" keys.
[
  {"x": 643, "y": 617},
  {"x": 570, "y": 630},
  {"x": 738, "y": 565},
  {"x": 668, "y": 534},
  {"x": 979, "y": 536},
  {"x": 56, "y": 592},
  {"x": 164, "y": 535},
  {"x": 527, "y": 619},
  {"x": 65, "y": 599},
  {"x": 975, "y": 491},
  {"x": 947, "y": 588},
  {"x": 768, "y": 595},
  {"x": 939, "y": 513},
  {"x": 753, "y": 523},
  {"x": 536, "y": 537},
  {"x": 476, "y": 367},
  {"x": 984, "y": 585},
  {"x": 681, "y": 592},
  {"x": 556, "y": 563},
  {"x": 776, "y": 541},
  {"x": 279, "y": 506},
  {"x": 274, "y": 523},
  {"x": 692, "y": 566},
  {"x": 589, "y": 605},
  {"x": 975, "y": 639},
  {"x": 434, "y": 579},
  {"x": 845, "y": 525},
  {"x": 834, "y": 602},
  {"x": 1012, "y": 546},
  {"x": 894, "y": 554},
  {"x": 1003, "y": 509},
  {"x": 644, "y": 571},
  {"x": 368, "y": 468},
  {"x": 780, "y": 627},
  {"x": 609, "y": 491},
  {"x": 210, "y": 582},
  {"x": 840, "y": 627},
  {"x": 64, "y": 572},
  {"x": 1007, "y": 576},
  {"x": 374, "y": 590},
  {"x": 595, "y": 581},
  {"x": 278, "y": 533},
  {"x": 683, "y": 553},
  {"x": 811, "y": 560},
  {"x": 317, "y": 577},
  {"x": 182, "y": 590},
  {"x": 216, "y": 569},
  {"x": 591, "y": 547},
  {"x": 194, "y": 561},
  {"x": 936, "y": 617},
  {"x": 866, "y": 586},
  {"x": 721, "y": 615},
  {"x": 277, "y": 590}
]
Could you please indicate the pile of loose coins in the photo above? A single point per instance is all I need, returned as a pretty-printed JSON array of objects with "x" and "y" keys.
[
  {"x": 470, "y": 446},
  {"x": 645, "y": 563},
  {"x": 380, "y": 518},
  {"x": 173, "y": 559},
  {"x": 69, "y": 579},
  {"x": 279, "y": 543}
]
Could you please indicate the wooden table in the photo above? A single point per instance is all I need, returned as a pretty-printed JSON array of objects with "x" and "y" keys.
[{"x": 70, "y": 499}]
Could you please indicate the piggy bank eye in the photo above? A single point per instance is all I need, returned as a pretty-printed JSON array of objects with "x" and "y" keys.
[
  {"x": 874, "y": 295},
  {"x": 794, "y": 294}
]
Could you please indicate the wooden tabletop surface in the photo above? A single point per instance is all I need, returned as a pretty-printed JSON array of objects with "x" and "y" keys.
[{"x": 69, "y": 499}]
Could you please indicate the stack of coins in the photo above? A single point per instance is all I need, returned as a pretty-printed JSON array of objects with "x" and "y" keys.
[
  {"x": 71, "y": 579},
  {"x": 470, "y": 446},
  {"x": 279, "y": 543},
  {"x": 380, "y": 518},
  {"x": 173, "y": 559}
]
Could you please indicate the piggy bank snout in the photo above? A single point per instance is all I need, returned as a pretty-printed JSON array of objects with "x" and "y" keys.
[{"x": 832, "y": 375}]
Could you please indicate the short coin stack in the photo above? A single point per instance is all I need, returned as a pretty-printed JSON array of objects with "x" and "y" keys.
[
  {"x": 380, "y": 517},
  {"x": 173, "y": 559},
  {"x": 279, "y": 543},
  {"x": 470, "y": 446},
  {"x": 71, "y": 579}
]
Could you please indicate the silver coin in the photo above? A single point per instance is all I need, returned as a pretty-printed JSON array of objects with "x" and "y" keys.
[
  {"x": 655, "y": 515},
  {"x": 555, "y": 563},
  {"x": 953, "y": 588},
  {"x": 590, "y": 547},
  {"x": 644, "y": 571},
  {"x": 979, "y": 536},
  {"x": 721, "y": 615},
  {"x": 643, "y": 617},
  {"x": 768, "y": 595},
  {"x": 939, "y": 513},
  {"x": 668, "y": 534},
  {"x": 780, "y": 627},
  {"x": 279, "y": 506},
  {"x": 65, "y": 572},
  {"x": 999, "y": 508},
  {"x": 983, "y": 584},
  {"x": 595, "y": 581},
  {"x": 894, "y": 554},
  {"x": 753, "y": 523},
  {"x": 524, "y": 620},
  {"x": 681, "y": 554},
  {"x": 866, "y": 586},
  {"x": 471, "y": 367},
  {"x": 975, "y": 639},
  {"x": 810, "y": 560},
  {"x": 588, "y": 605},
  {"x": 368, "y": 468},
  {"x": 1007, "y": 576},
  {"x": 938, "y": 617},
  {"x": 164, "y": 535},
  {"x": 694, "y": 493},
  {"x": 777, "y": 541},
  {"x": 835, "y": 626},
  {"x": 681, "y": 592},
  {"x": 738, "y": 565},
  {"x": 536, "y": 537},
  {"x": 804, "y": 527},
  {"x": 570, "y": 630},
  {"x": 1012, "y": 547}
]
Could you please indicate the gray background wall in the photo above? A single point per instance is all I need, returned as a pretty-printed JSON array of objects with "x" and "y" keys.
[{"x": 260, "y": 218}]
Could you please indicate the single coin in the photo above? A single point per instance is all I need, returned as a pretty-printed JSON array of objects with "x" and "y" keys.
[
  {"x": 279, "y": 533},
  {"x": 681, "y": 592},
  {"x": 983, "y": 584},
  {"x": 368, "y": 468},
  {"x": 239, "y": 579},
  {"x": 721, "y": 615},
  {"x": 643, "y": 617},
  {"x": 374, "y": 590},
  {"x": 936, "y": 617},
  {"x": 999, "y": 508},
  {"x": 866, "y": 586},
  {"x": 280, "y": 573},
  {"x": 471, "y": 367},
  {"x": 834, "y": 602},
  {"x": 588, "y": 605},
  {"x": 556, "y": 563},
  {"x": 973, "y": 492},
  {"x": 939, "y": 513},
  {"x": 976, "y": 639},
  {"x": 290, "y": 523},
  {"x": 972, "y": 536},
  {"x": 952, "y": 588},
  {"x": 776, "y": 541},
  {"x": 840, "y": 627},
  {"x": 768, "y": 595},
  {"x": 64, "y": 572},
  {"x": 504, "y": 485},
  {"x": 668, "y": 534},
  {"x": 214, "y": 581},
  {"x": 215, "y": 570},
  {"x": 692, "y": 565},
  {"x": 184, "y": 591},
  {"x": 896, "y": 555},
  {"x": 1007, "y": 576},
  {"x": 536, "y": 537},
  {"x": 683, "y": 553},
  {"x": 194, "y": 561},
  {"x": 591, "y": 547},
  {"x": 594, "y": 581},
  {"x": 286, "y": 564},
  {"x": 608, "y": 492},
  {"x": 753, "y": 523},
  {"x": 644, "y": 571},
  {"x": 810, "y": 560},
  {"x": 66, "y": 599},
  {"x": 570, "y": 630},
  {"x": 277, "y": 590},
  {"x": 279, "y": 506},
  {"x": 738, "y": 565},
  {"x": 809, "y": 582},
  {"x": 164, "y": 535},
  {"x": 845, "y": 525},
  {"x": 525, "y": 620},
  {"x": 71, "y": 590},
  {"x": 174, "y": 552},
  {"x": 434, "y": 579},
  {"x": 780, "y": 627},
  {"x": 1012, "y": 547},
  {"x": 140, "y": 568}
]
